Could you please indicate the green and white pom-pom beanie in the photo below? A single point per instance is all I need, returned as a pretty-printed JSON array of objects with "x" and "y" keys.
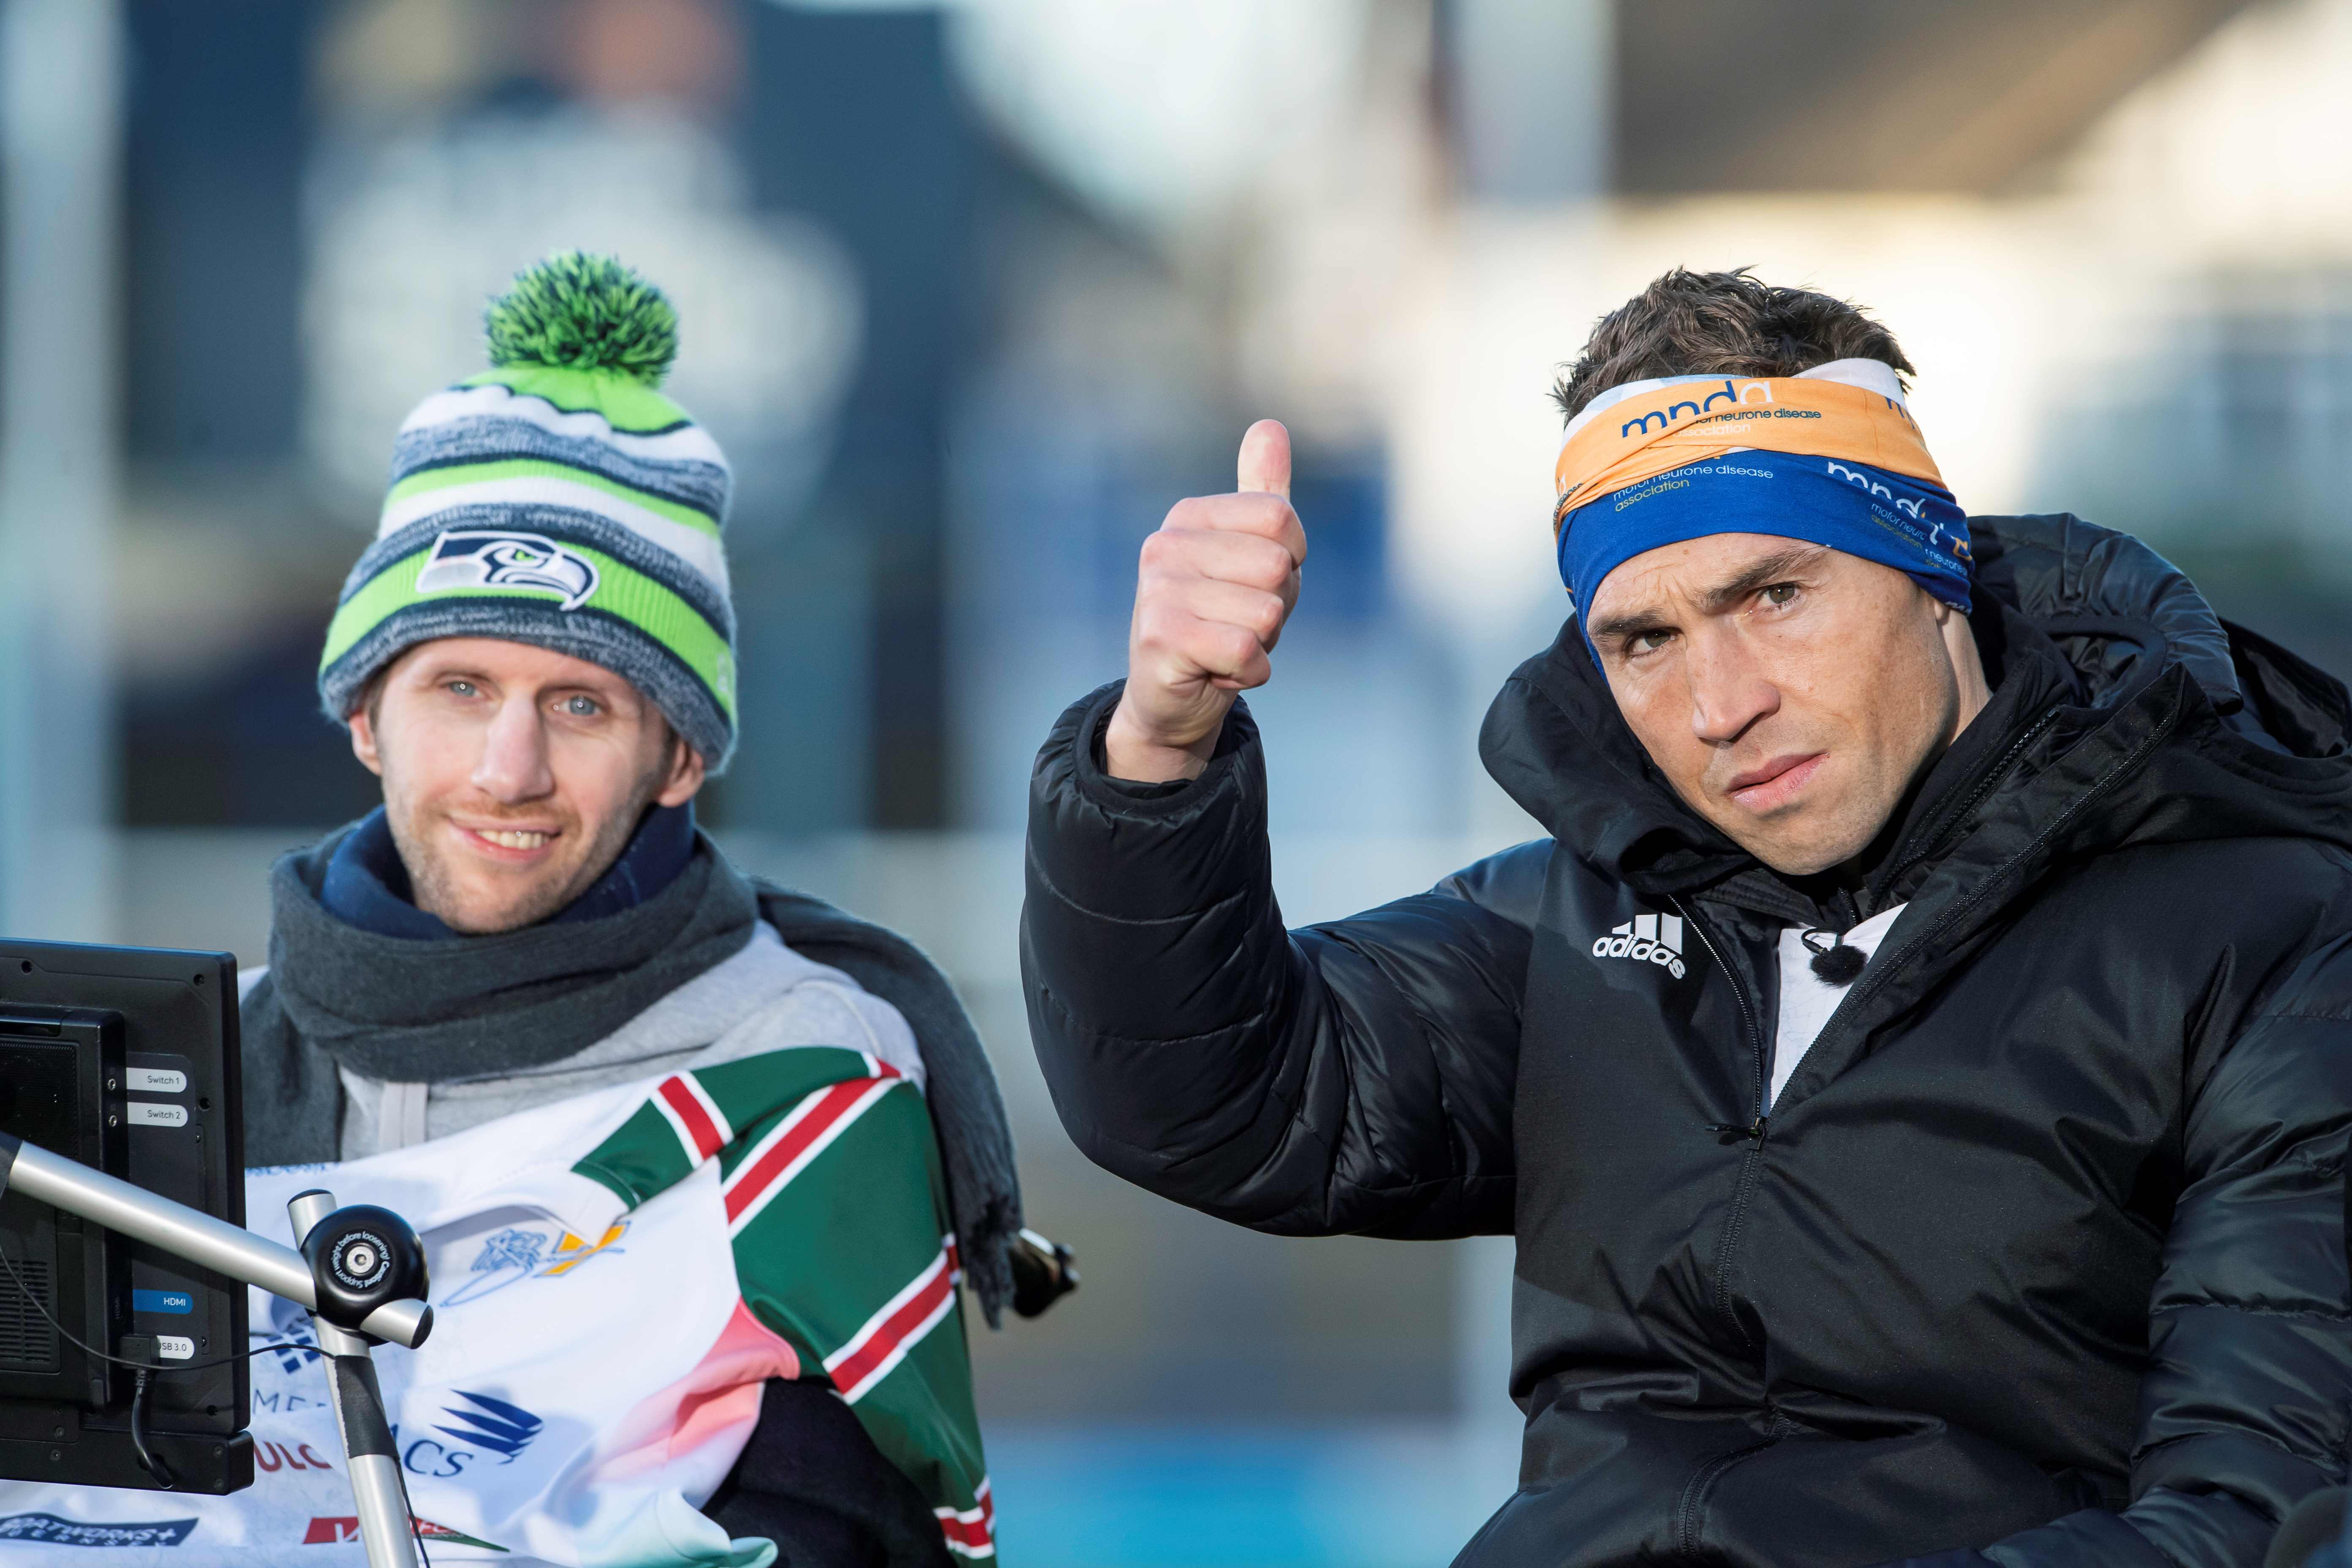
[{"x": 557, "y": 499}]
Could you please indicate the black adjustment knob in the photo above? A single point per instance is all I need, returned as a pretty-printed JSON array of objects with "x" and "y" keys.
[
  {"x": 1043, "y": 1273},
  {"x": 362, "y": 1257}
]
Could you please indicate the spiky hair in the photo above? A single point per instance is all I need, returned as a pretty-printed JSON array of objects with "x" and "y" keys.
[
  {"x": 1721, "y": 323},
  {"x": 579, "y": 311}
]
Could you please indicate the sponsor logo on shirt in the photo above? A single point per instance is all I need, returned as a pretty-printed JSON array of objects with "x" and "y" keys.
[
  {"x": 504, "y": 1429},
  {"x": 48, "y": 1529},
  {"x": 1645, "y": 939},
  {"x": 515, "y": 1254},
  {"x": 481, "y": 1424},
  {"x": 333, "y": 1531},
  {"x": 269, "y": 1456},
  {"x": 292, "y": 1344}
]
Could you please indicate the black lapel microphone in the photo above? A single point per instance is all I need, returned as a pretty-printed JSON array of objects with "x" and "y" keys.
[{"x": 1834, "y": 959}]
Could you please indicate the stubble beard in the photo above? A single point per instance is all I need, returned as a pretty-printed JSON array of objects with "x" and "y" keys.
[{"x": 439, "y": 890}]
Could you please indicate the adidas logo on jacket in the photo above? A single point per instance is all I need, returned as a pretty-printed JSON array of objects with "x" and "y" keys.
[{"x": 1645, "y": 939}]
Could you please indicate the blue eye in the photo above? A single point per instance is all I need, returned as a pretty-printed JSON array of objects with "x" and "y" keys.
[
  {"x": 462, "y": 687},
  {"x": 580, "y": 707}
]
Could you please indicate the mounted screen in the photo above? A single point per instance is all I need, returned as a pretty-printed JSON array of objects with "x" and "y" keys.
[{"x": 126, "y": 1060}]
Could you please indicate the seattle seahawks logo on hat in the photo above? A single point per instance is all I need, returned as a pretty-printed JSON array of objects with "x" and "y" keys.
[{"x": 493, "y": 558}]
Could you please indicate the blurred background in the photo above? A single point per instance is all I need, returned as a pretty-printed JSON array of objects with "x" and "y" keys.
[{"x": 971, "y": 293}]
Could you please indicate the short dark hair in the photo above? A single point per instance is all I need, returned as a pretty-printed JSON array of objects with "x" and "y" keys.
[{"x": 1709, "y": 323}]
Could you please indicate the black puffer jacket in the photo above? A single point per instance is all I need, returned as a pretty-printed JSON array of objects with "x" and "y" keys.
[{"x": 2042, "y": 1251}]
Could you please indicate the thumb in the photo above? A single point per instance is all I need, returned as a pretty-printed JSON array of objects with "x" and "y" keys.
[{"x": 1265, "y": 459}]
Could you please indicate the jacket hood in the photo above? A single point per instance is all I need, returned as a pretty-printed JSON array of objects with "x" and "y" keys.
[{"x": 2170, "y": 724}]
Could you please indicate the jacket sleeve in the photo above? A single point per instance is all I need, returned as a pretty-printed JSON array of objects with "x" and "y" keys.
[
  {"x": 1355, "y": 1076},
  {"x": 2247, "y": 1405}
]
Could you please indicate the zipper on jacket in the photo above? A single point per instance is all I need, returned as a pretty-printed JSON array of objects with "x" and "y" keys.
[
  {"x": 1735, "y": 1221},
  {"x": 1690, "y": 1512},
  {"x": 1749, "y": 1014},
  {"x": 1876, "y": 979},
  {"x": 1986, "y": 783}
]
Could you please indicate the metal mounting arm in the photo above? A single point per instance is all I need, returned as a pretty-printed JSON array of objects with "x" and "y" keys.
[
  {"x": 360, "y": 1273},
  {"x": 212, "y": 1243}
]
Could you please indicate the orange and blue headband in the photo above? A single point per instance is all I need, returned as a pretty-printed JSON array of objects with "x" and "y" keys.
[{"x": 1829, "y": 457}]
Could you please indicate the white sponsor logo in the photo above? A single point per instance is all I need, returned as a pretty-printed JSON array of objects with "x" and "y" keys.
[
  {"x": 1873, "y": 486},
  {"x": 1645, "y": 939}
]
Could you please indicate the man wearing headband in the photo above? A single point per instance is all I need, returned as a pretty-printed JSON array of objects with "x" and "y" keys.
[{"x": 1916, "y": 1065}]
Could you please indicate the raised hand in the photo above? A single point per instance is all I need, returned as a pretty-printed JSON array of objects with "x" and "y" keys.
[{"x": 1215, "y": 584}]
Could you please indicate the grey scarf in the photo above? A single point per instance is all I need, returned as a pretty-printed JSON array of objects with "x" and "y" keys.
[{"x": 434, "y": 1011}]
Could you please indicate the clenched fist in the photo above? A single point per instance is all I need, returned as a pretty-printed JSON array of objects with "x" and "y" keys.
[{"x": 1216, "y": 583}]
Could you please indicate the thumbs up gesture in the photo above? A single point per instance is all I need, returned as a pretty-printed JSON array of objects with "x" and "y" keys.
[{"x": 1215, "y": 586}]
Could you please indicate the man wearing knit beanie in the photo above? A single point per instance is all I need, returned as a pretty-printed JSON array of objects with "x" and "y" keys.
[
  {"x": 536, "y": 654},
  {"x": 557, "y": 501}
]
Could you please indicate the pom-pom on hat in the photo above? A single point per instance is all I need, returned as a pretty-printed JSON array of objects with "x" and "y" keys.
[
  {"x": 557, "y": 499},
  {"x": 584, "y": 312}
]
